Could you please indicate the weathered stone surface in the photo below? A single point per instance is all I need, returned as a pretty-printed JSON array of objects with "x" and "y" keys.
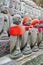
[{"x": 33, "y": 10}]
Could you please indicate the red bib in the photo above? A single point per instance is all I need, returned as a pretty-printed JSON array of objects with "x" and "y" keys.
[
  {"x": 15, "y": 30},
  {"x": 40, "y": 29},
  {"x": 27, "y": 27}
]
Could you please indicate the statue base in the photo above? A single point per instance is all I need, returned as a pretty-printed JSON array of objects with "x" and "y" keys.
[
  {"x": 41, "y": 45},
  {"x": 35, "y": 58}
]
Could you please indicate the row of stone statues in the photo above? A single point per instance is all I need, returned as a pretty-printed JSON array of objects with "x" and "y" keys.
[
  {"x": 23, "y": 34},
  {"x": 26, "y": 36}
]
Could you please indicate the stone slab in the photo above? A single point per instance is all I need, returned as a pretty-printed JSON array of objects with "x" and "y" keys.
[{"x": 6, "y": 60}]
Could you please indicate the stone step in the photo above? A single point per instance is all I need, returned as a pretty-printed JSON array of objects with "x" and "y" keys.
[{"x": 6, "y": 60}]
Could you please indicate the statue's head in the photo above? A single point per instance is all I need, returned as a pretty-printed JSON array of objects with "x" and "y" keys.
[
  {"x": 26, "y": 21},
  {"x": 15, "y": 29},
  {"x": 35, "y": 23},
  {"x": 16, "y": 19}
]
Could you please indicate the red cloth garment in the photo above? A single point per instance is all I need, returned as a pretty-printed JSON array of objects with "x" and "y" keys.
[
  {"x": 15, "y": 30},
  {"x": 42, "y": 29},
  {"x": 41, "y": 21},
  {"x": 39, "y": 28},
  {"x": 26, "y": 27},
  {"x": 31, "y": 26}
]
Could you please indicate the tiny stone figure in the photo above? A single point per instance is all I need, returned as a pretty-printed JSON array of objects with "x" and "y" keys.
[
  {"x": 7, "y": 18},
  {"x": 26, "y": 23},
  {"x": 34, "y": 33},
  {"x": 40, "y": 38},
  {"x": 15, "y": 36},
  {"x": 5, "y": 12}
]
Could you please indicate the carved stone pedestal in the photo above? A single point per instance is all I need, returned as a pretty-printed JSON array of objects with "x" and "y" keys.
[{"x": 36, "y": 58}]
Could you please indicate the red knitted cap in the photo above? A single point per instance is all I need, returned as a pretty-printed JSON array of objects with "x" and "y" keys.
[{"x": 34, "y": 22}]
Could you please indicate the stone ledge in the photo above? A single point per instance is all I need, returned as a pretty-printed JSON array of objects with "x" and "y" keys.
[{"x": 7, "y": 61}]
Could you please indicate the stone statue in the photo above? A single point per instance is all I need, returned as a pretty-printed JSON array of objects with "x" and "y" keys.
[
  {"x": 15, "y": 36},
  {"x": 26, "y": 37},
  {"x": 40, "y": 38},
  {"x": 6, "y": 14},
  {"x": 5, "y": 36},
  {"x": 4, "y": 39},
  {"x": 7, "y": 18},
  {"x": 34, "y": 33}
]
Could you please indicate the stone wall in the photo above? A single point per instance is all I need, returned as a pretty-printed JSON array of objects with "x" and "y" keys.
[
  {"x": 32, "y": 9},
  {"x": 29, "y": 7}
]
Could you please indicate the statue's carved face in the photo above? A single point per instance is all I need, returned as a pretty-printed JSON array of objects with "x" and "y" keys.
[
  {"x": 1, "y": 22},
  {"x": 28, "y": 22},
  {"x": 16, "y": 20}
]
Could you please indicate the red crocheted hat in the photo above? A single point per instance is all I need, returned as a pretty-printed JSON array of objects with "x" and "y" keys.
[
  {"x": 15, "y": 30},
  {"x": 34, "y": 22}
]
